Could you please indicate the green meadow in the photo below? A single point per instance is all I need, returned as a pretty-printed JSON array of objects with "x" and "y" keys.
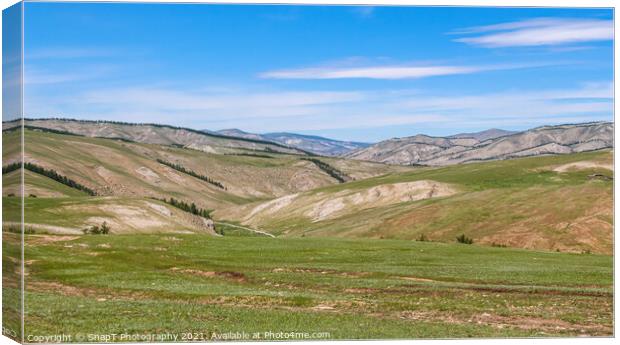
[{"x": 347, "y": 288}]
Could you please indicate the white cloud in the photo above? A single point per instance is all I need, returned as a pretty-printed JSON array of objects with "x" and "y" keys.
[
  {"x": 539, "y": 32},
  {"x": 377, "y": 72},
  {"x": 384, "y": 71}
]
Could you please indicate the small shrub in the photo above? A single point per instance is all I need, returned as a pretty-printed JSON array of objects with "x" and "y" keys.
[
  {"x": 104, "y": 229},
  {"x": 498, "y": 245},
  {"x": 464, "y": 239},
  {"x": 17, "y": 229}
]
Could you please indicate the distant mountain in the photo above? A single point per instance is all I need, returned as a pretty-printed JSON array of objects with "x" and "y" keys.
[
  {"x": 233, "y": 132},
  {"x": 489, "y": 145},
  {"x": 310, "y": 143},
  {"x": 484, "y": 135},
  {"x": 158, "y": 134}
]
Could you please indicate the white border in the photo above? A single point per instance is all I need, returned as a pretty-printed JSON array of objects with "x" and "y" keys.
[{"x": 483, "y": 3}]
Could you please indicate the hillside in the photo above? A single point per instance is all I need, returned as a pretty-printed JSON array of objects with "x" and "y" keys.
[
  {"x": 157, "y": 134},
  {"x": 438, "y": 151},
  {"x": 311, "y": 143},
  {"x": 70, "y": 215},
  {"x": 132, "y": 173},
  {"x": 550, "y": 203}
]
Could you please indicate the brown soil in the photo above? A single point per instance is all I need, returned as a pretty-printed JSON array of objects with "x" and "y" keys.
[{"x": 231, "y": 275}]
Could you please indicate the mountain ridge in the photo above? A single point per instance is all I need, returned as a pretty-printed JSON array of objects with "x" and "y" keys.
[
  {"x": 485, "y": 134},
  {"x": 437, "y": 151},
  {"x": 153, "y": 133},
  {"x": 312, "y": 143},
  {"x": 419, "y": 149}
]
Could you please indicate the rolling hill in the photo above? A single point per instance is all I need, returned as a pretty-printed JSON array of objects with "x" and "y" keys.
[
  {"x": 551, "y": 202},
  {"x": 134, "y": 174},
  {"x": 561, "y": 202},
  {"x": 439, "y": 151},
  {"x": 156, "y": 134}
]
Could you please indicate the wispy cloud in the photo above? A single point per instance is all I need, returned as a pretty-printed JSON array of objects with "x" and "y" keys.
[
  {"x": 384, "y": 71},
  {"x": 34, "y": 75},
  {"x": 591, "y": 101},
  {"x": 538, "y": 32},
  {"x": 264, "y": 111}
]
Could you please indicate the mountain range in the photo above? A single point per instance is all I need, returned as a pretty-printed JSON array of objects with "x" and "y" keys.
[
  {"x": 311, "y": 143},
  {"x": 489, "y": 145},
  {"x": 421, "y": 149},
  {"x": 549, "y": 201},
  {"x": 157, "y": 134}
]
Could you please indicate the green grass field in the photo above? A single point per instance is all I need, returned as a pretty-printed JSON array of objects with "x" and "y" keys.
[{"x": 349, "y": 288}]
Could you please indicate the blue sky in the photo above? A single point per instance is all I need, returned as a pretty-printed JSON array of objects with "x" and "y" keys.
[{"x": 352, "y": 73}]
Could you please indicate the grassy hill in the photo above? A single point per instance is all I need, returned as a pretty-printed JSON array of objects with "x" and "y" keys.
[
  {"x": 547, "y": 202},
  {"x": 70, "y": 215},
  {"x": 131, "y": 174},
  {"x": 113, "y": 167},
  {"x": 38, "y": 185}
]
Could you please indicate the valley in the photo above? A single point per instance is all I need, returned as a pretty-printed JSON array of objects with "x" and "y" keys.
[
  {"x": 547, "y": 202},
  {"x": 254, "y": 236}
]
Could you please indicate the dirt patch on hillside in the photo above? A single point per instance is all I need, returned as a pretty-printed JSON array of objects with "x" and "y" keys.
[
  {"x": 32, "y": 190},
  {"x": 51, "y": 229},
  {"x": 161, "y": 209},
  {"x": 47, "y": 239},
  {"x": 273, "y": 205},
  {"x": 498, "y": 321},
  {"x": 583, "y": 166},
  {"x": 231, "y": 275},
  {"x": 133, "y": 216},
  {"x": 63, "y": 289},
  {"x": 417, "y": 279},
  {"x": 105, "y": 174},
  {"x": 304, "y": 180},
  {"x": 378, "y": 196},
  {"x": 173, "y": 176},
  {"x": 148, "y": 174}
]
